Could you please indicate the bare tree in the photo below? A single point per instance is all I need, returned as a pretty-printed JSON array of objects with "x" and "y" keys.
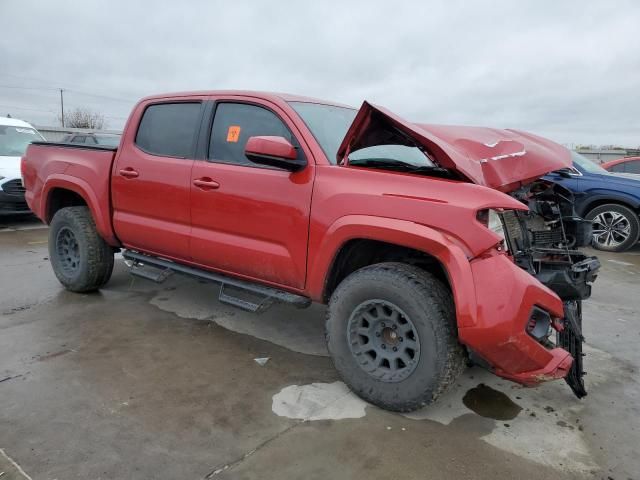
[{"x": 83, "y": 118}]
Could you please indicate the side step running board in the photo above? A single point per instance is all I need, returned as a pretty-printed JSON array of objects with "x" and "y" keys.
[
  {"x": 143, "y": 266},
  {"x": 152, "y": 274}
]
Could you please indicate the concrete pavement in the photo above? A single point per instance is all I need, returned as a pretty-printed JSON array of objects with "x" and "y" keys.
[{"x": 160, "y": 381}]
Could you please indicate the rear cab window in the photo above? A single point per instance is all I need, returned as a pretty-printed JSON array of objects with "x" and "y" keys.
[{"x": 169, "y": 129}]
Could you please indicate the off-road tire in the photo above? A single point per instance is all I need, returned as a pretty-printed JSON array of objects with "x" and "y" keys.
[
  {"x": 429, "y": 305},
  {"x": 94, "y": 255},
  {"x": 631, "y": 218}
]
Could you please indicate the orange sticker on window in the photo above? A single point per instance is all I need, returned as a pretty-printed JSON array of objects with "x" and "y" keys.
[{"x": 233, "y": 134}]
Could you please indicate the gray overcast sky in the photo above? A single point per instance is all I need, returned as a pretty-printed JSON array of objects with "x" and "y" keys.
[{"x": 568, "y": 70}]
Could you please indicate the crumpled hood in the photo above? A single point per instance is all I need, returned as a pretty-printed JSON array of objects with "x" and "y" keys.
[
  {"x": 9, "y": 167},
  {"x": 500, "y": 159}
]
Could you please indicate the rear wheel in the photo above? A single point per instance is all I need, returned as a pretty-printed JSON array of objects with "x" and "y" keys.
[
  {"x": 615, "y": 227},
  {"x": 81, "y": 260},
  {"x": 392, "y": 336}
]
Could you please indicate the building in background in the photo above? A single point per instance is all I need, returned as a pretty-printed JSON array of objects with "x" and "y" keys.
[{"x": 601, "y": 155}]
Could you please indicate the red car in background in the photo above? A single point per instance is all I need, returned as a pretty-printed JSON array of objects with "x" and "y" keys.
[{"x": 623, "y": 165}]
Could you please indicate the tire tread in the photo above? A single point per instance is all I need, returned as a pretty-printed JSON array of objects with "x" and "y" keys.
[
  {"x": 422, "y": 285},
  {"x": 99, "y": 263}
]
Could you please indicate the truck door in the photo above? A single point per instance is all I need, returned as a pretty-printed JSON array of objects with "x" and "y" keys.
[
  {"x": 248, "y": 219},
  {"x": 151, "y": 181}
]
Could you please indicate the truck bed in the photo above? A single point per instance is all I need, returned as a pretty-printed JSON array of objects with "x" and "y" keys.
[{"x": 83, "y": 169}]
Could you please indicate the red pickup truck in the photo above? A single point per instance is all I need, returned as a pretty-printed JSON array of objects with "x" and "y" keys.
[{"x": 433, "y": 246}]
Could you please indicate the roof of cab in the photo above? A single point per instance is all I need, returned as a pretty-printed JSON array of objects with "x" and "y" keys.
[
  {"x": 14, "y": 122},
  {"x": 272, "y": 96}
]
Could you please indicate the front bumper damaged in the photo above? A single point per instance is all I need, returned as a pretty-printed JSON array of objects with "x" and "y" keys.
[{"x": 508, "y": 297}]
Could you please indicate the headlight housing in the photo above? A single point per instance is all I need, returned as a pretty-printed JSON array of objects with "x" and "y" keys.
[{"x": 492, "y": 219}]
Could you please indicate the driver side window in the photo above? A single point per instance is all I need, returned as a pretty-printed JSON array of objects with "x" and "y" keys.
[{"x": 235, "y": 123}]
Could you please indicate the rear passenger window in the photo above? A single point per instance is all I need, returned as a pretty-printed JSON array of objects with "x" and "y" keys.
[
  {"x": 234, "y": 123},
  {"x": 169, "y": 129},
  {"x": 78, "y": 139},
  {"x": 618, "y": 167}
]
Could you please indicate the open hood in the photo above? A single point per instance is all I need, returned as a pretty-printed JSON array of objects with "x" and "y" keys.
[{"x": 500, "y": 159}]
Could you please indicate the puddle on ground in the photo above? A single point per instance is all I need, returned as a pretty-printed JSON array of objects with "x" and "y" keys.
[{"x": 490, "y": 403}]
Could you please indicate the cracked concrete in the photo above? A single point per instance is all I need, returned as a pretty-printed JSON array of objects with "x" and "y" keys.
[{"x": 159, "y": 381}]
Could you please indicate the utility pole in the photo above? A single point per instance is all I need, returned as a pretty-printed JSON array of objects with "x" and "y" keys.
[{"x": 61, "y": 108}]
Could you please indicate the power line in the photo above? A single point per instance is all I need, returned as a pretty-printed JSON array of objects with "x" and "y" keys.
[
  {"x": 49, "y": 81},
  {"x": 61, "y": 90},
  {"x": 18, "y": 87},
  {"x": 28, "y": 88},
  {"x": 25, "y": 108},
  {"x": 128, "y": 100}
]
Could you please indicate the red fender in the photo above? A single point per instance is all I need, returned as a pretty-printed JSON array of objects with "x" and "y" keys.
[
  {"x": 101, "y": 216},
  {"x": 399, "y": 232}
]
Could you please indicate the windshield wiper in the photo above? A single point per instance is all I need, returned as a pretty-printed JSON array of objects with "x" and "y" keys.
[{"x": 393, "y": 164}]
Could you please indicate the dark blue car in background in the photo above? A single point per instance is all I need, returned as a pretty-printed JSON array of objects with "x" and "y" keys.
[{"x": 610, "y": 200}]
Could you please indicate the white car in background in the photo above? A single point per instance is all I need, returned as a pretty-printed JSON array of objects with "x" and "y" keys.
[{"x": 15, "y": 136}]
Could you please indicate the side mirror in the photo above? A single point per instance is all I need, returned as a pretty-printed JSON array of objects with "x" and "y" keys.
[
  {"x": 564, "y": 173},
  {"x": 273, "y": 151}
]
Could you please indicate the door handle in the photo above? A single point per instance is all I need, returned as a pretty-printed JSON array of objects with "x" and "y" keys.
[
  {"x": 205, "y": 183},
  {"x": 128, "y": 172}
]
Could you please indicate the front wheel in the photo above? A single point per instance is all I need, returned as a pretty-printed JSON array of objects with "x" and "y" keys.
[
  {"x": 391, "y": 333},
  {"x": 615, "y": 227},
  {"x": 81, "y": 260}
]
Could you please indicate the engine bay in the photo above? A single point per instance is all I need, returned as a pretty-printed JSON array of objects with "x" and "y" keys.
[{"x": 544, "y": 241}]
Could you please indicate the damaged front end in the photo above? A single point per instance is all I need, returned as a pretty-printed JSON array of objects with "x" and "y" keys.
[{"x": 544, "y": 241}]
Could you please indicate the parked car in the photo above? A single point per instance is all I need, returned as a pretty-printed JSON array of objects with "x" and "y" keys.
[
  {"x": 108, "y": 139},
  {"x": 15, "y": 136},
  {"x": 430, "y": 244},
  {"x": 623, "y": 165},
  {"x": 610, "y": 200}
]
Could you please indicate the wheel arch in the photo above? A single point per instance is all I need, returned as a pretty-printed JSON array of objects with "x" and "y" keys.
[
  {"x": 357, "y": 253},
  {"x": 61, "y": 191},
  {"x": 357, "y": 241},
  {"x": 600, "y": 200}
]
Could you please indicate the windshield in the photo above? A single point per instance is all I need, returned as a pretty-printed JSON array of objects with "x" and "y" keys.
[
  {"x": 585, "y": 164},
  {"x": 109, "y": 140},
  {"x": 328, "y": 124},
  {"x": 393, "y": 154},
  {"x": 15, "y": 140}
]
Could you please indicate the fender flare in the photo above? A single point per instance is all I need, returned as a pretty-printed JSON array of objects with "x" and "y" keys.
[
  {"x": 448, "y": 251},
  {"x": 77, "y": 185}
]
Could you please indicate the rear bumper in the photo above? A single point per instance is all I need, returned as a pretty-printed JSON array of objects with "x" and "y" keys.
[{"x": 506, "y": 296}]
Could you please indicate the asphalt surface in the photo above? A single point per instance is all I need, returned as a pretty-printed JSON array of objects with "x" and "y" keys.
[{"x": 161, "y": 381}]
